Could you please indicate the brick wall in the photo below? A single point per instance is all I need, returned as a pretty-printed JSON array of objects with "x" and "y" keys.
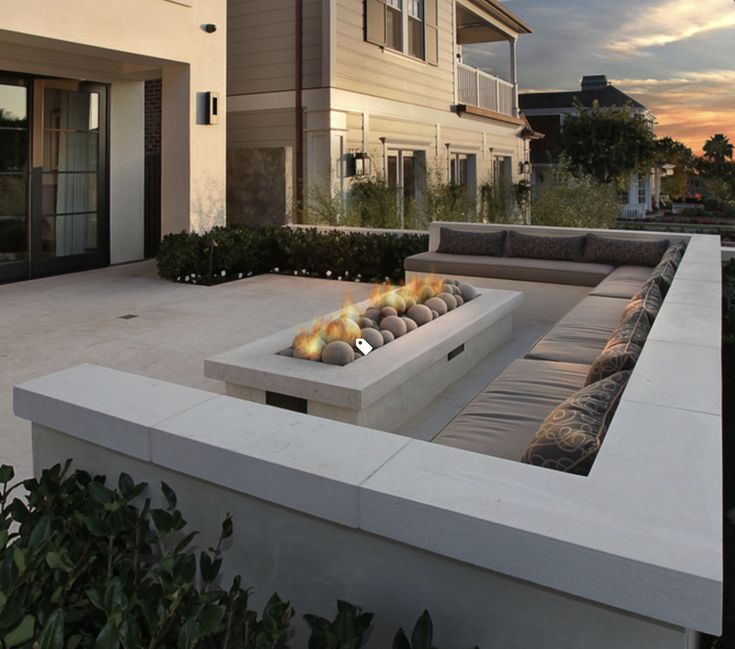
[{"x": 153, "y": 116}]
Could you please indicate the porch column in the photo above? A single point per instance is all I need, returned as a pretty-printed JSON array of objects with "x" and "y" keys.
[{"x": 514, "y": 74}]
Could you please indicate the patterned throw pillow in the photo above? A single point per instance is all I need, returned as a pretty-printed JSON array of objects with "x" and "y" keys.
[
  {"x": 533, "y": 247},
  {"x": 623, "y": 348},
  {"x": 663, "y": 275},
  {"x": 649, "y": 297},
  {"x": 624, "y": 252},
  {"x": 569, "y": 438},
  {"x": 633, "y": 328},
  {"x": 675, "y": 253},
  {"x": 459, "y": 242}
]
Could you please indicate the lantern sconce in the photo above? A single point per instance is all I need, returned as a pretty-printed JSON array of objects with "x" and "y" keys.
[{"x": 525, "y": 167}]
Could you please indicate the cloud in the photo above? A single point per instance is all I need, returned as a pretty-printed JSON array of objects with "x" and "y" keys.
[{"x": 670, "y": 22}]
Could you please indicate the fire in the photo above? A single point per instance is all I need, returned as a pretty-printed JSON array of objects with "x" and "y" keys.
[{"x": 308, "y": 344}]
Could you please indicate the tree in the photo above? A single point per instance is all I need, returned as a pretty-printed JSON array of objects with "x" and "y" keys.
[
  {"x": 670, "y": 151},
  {"x": 717, "y": 148},
  {"x": 609, "y": 144}
]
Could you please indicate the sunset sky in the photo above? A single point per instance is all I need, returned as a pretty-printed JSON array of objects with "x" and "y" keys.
[{"x": 677, "y": 57}]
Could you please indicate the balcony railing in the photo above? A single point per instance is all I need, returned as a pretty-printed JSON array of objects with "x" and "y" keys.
[{"x": 478, "y": 88}]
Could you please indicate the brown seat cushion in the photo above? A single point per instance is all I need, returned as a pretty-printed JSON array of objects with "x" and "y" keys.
[
  {"x": 624, "y": 252},
  {"x": 649, "y": 297},
  {"x": 515, "y": 268},
  {"x": 501, "y": 420},
  {"x": 534, "y": 247},
  {"x": 570, "y": 437},
  {"x": 624, "y": 281},
  {"x": 663, "y": 275},
  {"x": 582, "y": 333},
  {"x": 624, "y": 347},
  {"x": 459, "y": 242}
]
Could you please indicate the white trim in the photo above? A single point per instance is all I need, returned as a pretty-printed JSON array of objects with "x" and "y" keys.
[{"x": 407, "y": 143}]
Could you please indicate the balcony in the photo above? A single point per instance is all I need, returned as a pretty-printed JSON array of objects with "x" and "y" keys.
[{"x": 483, "y": 90}]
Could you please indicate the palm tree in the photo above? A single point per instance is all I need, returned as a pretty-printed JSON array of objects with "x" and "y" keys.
[{"x": 717, "y": 148}]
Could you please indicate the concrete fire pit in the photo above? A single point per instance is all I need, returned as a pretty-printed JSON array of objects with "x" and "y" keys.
[{"x": 381, "y": 390}]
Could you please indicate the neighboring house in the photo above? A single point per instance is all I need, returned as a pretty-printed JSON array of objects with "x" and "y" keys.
[
  {"x": 72, "y": 127},
  {"x": 546, "y": 112},
  {"x": 379, "y": 87}
]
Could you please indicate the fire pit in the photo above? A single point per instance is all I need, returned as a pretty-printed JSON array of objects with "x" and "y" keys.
[
  {"x": 389, "y": 385},
  {"x": 391, "y": 314}
]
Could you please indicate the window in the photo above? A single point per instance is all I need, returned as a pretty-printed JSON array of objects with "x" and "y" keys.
[
  {"x": 406, "y": 26},
  {"x": 406, "y": 173},
  {"x": 394, "y": 24},
  {"x": 416, "y": 28},
  {"x": 458, "y": 169},
  {"x": 641, "y": 189}
]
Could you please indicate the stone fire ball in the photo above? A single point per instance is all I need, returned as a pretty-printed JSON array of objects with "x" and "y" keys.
[
  {"x": 367, "y": 322},
  {"x": 388, "y": 310},
  {"x": 342, "y": 329},
  {"x": 372, "y": 313},
  {"x": 449, "y": 300},
  {"x": 373, "y": 337},
  {"x": 468, "y": 291},
  {"x": 409, "y": 302},
  {"x": 388, "y": 337},
  {"x": 410, "y": 324},
  {"x": 459, "y": 299},
  {"x": 420, "y": 314},
  {"x": 434, "y": 314},
  {"x": 394, "y": 324},
  {"x": 425, "y": 293},
  {"x": 338, "y": 352},
  {"x": 437, "y": 304},
  {"x": 311, "y": 350},
  {"x": 396, "y": 301}
]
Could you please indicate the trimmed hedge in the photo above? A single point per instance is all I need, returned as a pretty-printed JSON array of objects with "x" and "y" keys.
[{"x": 242, "y": 251}]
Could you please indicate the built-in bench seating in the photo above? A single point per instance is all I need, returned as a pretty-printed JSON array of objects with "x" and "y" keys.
[{"x": 552, "y": 408}]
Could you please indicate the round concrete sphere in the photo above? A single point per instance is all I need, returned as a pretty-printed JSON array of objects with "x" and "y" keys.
[
  {"x": 388, "y": 337},
  {"x": 396, "y": 301},
  {"x": 420, "y": 314},
  {"x": 409, "y": 302},
  {"x": 425, "y": 293},
  {"x": 410, "y": 324},
  {"x": 437, "y": 304},
  {"x": 460, "y": 300},
  {"x": 338, "y": 352},
  {"x": 308, "y": 347},
  {"x": 435, "y": 314},
  {"x": 454, "y": 290},
  {"x": 372, "y": 313},
  {"x": 394, "y": 324},
  {"x": 468, "y": 291},
  {"x": 449, "y": 300},
  {"x": 342, "y": 329},
  {"x": 367, "y": 323},
  {"x": 388, "y": 311},
  {"x": 372, "y": 336}
]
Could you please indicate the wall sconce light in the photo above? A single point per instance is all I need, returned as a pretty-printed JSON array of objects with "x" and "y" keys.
[
  {"x": 525, "y": 167},
  {"x": 210, "y": 28},
  {"x": 357, "y": 163}
]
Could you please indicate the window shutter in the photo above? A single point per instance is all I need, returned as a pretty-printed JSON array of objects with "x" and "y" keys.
[
  {"x": 375, "y": 21},
  {"x": 431, "y": 31}
]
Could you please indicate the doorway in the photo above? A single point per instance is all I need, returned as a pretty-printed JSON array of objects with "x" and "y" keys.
[{"x": 54, "y": 214}]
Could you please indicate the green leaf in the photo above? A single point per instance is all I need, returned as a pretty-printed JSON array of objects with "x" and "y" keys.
[
  {"x": 188, "y": 634},
  {"x": 53, "y": 633},
  {"x": 19, "y": 558},
  {"x": 18, "y": 511},
  {"x": 108, "y": 637},
  {"x": 3, "y": 601},
  {"x": 184, "y": 543},
  {"x": 6, "y": 473},
  {"x": 400, "y": 641},
  {"x": 162, "y": 520},
  {"x": 226, "y": 527},
  {"x": 22, "y": 633},
  {"x": 97, "y": 597},
  {"x": 169, "y": 495},
  {"x": 210, "y": 618},
  {"x": 3, "y": 539},
  {"x": 96, "y": 526},
  {"x": 100, "y": 493},
  {"x": 53, "y": 560},
  {"x": 126, "y": 485},
  {"x": 73, "y": 642},
  {"x": 113, "y": 596},
  {"x": 423, "y": 632},
  {"x": 40, "y": 533}
]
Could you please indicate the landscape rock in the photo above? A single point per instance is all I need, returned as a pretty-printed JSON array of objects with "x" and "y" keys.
[{"x": 338, "y": 352}]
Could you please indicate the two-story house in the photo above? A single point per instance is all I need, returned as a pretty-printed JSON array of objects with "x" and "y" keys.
[
  {"x": 72, "y": 127},
  {"x": 333, "y": 88},
  {"x": 546, "y": 112}
]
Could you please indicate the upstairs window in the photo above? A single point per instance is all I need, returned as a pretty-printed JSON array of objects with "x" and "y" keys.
[{"x": 407, "y": 26}]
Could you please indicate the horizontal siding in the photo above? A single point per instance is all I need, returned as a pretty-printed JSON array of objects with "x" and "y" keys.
[
  {"x": 261, "y": 128},
  {"x": 260, "y": 39},
  {"x": 354, "y": 131},
  {"x": 365, "y": 68}
]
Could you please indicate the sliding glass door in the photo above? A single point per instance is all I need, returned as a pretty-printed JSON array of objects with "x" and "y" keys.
[{"x": 54, "y": 214}]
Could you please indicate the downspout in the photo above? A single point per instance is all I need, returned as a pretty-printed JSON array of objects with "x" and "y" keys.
[{"x": 299, "y": 112}]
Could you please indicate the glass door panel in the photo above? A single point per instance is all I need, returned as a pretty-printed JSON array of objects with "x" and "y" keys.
[{"x": 14, "y": 168}]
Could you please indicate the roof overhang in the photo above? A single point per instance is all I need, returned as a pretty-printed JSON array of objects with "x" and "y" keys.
[{"x": 487, "y": 21}]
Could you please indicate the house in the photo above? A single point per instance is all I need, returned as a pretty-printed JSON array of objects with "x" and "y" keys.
[
  {"x": 366, "y": 87},
  {"x": 546, "y": 112},
  {"x": 72, "y": 127}
]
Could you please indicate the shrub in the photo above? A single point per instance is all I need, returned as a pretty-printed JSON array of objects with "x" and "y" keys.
[
  {"x": 83, "y": 564},
  {"x": 243, "y": 251},
  {"x": 577, "y": 202}
]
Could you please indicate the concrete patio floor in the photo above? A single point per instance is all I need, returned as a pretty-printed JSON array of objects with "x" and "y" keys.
[{"x": 53, "y": 323}]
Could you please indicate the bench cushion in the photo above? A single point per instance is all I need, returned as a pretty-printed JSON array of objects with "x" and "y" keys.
[
  {"x": 624, "y": 252},
  {"x": 534, "y": 247},
  {"x": 459, "y": 242},
  {"x": 501, "y": 420},
  {"x": 624, "y": 281},
  {"x": 515, "y": 268},
  {"x": 570, "y": 437},
  {"x": 582, "y": 333}
]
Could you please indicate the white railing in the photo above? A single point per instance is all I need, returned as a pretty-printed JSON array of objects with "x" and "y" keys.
[
  {"x": 632, "y": 212},
  {"x": 478, "y": 88}
]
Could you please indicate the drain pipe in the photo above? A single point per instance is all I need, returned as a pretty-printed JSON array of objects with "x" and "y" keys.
[{"x": 298, "y": 108}]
